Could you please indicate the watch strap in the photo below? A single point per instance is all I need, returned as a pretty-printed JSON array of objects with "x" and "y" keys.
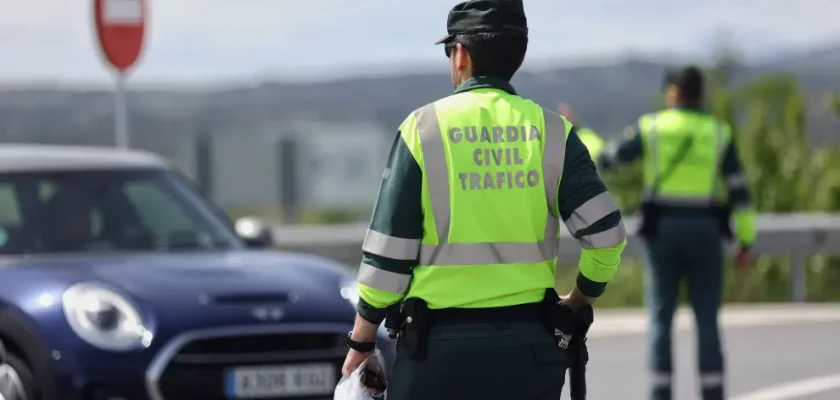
[{"x": 363, "y": 347}]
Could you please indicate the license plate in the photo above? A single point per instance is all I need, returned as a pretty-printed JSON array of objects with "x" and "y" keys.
[{"x": 280, "y": 381}]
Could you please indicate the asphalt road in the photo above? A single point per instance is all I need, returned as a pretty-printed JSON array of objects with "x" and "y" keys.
[{"x": 772, "y": 354}]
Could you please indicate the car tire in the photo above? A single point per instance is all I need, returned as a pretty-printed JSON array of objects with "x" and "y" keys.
[{"x": 20, "y": 376}]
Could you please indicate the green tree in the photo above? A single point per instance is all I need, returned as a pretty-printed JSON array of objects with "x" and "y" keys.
[
  {"x": 786, "y": 172},
  {"x": 833, "y": 103},
  {"x": 833, "y": 176}
]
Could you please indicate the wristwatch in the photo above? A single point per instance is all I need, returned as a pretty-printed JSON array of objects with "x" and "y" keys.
[{"x": 362, "y": 347}]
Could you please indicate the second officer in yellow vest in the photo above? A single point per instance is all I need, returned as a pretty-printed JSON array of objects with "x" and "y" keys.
[
  {"x": 592, "y": 141},
  {"x": 467, "y": 221},
  {"x": 589, "y": 137},
  {"x": 693, "y": 179}
]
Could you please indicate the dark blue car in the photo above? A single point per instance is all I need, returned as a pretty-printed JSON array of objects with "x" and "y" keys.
[{"x": 120, "y": 281}]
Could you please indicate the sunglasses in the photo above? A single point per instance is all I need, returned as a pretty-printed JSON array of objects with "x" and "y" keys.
[{"x": 448, "y": 48}]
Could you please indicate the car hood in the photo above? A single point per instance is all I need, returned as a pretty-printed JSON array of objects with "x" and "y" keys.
[
  {"x": 201, "y": 280},
  {"x": 227, "y": 274}
]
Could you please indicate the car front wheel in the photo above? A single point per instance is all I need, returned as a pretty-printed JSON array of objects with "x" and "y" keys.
[{"x": 16, "y": 380}]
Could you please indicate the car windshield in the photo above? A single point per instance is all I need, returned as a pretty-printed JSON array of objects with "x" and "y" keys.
[{"x": 104, "y": 211}]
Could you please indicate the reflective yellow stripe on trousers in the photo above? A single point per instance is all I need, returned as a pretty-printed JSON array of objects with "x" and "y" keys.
[{"x": 437, "y": 176}]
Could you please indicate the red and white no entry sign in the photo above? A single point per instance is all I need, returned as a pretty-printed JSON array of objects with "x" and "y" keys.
[{"x": 120, "y": 27}]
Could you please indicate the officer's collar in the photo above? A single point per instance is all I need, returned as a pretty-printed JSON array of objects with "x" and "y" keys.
[
  {"x": 485, "y": 82},
  {"x": 686, "y": 107}
]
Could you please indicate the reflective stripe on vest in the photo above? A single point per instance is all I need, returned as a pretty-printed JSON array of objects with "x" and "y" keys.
[
  {"x": 591, "y": 212},
  {"x": 383, "y": 280},
  {"x": 437, "y": 177},
  {"x": 390, "y": 246},
  {"x": 675, "y": 200}
]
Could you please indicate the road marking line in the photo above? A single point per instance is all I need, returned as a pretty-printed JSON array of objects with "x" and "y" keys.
[
  {"x": 615, "y": 325},
  {"x": 795, "y": 389}
]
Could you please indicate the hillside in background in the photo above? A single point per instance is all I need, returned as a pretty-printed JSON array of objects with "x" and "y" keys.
[{"x": 606, "y": 97}]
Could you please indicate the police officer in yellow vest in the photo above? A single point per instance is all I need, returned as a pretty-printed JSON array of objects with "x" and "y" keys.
[
  {"x": 691, "y": 164},
  {"x": 467, "y": 223},
  {"x": 590, "y": 139}
]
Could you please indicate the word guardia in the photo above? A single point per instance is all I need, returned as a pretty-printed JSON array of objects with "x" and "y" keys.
[{"x": 493, "y": 156}]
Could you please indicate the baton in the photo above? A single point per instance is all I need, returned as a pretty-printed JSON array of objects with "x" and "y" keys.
[{"x": 577, "y": 372}]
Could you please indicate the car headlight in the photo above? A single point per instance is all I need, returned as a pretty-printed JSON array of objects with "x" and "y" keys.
[
  {"x": 350, "y": 291},
  {"x": 104, "y": 318}
]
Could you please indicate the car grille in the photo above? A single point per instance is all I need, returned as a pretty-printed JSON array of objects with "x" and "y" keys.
[{"x": 196, "y": 371}]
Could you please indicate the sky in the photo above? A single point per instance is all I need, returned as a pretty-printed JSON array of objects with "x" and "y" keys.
[{"x": 224, "y": 40}]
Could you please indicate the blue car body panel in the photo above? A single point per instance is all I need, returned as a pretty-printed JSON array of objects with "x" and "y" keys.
[{"x": 182, "y": 296}]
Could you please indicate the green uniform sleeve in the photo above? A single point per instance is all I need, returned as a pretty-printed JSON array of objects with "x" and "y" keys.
[
  {"x": 392, "y": 242},
  {"x": 743, "y": 211},
  {"x": 591, "y": 217}
]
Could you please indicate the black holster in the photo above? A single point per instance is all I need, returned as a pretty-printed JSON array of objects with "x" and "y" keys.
[
  {"x": 579, "y": 354},
  {"x": 414, "y": 334},
  {"x": 394, "y": 320},
  {"x": 570, "y": 329}
]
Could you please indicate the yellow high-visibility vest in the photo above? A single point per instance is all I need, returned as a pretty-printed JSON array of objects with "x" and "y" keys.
[{"x": 489, "y": 198}]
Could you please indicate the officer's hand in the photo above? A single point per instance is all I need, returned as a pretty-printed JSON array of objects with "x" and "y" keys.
[
  {"x": 743, "y": 258},
  {"x": 575, "y": 299},
  {"x": 354, "y": 360}
]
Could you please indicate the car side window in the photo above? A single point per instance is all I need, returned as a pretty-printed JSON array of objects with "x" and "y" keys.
[
  {"x": 9, "y": 207},
  {"x": 10, "y": 218},
  {"x": 159, "y": 212},
  {"x": 47, "y": 189}
]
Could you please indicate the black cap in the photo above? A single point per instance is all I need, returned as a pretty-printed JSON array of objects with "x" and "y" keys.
[{"x": 486, "y": 16}]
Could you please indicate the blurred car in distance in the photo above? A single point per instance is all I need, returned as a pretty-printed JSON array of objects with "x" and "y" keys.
[{"x": 119, "y": 280}]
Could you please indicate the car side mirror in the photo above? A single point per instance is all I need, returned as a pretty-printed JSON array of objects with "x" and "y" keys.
[{"x": 254, "y": 233}]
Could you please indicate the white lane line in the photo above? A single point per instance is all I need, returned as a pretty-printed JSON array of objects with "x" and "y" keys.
[
  {"x": 795, "y": 389},
  {"x": 620, "y": 325}
]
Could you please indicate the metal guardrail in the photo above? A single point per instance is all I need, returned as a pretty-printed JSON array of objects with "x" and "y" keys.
[{"x": 796, "y": 235}]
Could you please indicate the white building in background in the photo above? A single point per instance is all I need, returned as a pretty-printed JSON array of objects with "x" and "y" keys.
[
  {"x": 319, "y": 165},
  {"x": 343, "y": 167}
]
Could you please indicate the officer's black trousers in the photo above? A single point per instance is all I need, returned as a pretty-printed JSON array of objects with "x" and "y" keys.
[
  {"x": 687, "y": 249},
  {"x": 502, "y": 361}
]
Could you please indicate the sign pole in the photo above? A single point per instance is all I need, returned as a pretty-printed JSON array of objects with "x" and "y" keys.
[
  {"x": 121, "y": 133},
  {"x": 120, "y": 30}
]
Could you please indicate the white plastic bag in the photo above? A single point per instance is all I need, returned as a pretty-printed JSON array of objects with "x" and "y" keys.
[{"x": 351, "y": 387}]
